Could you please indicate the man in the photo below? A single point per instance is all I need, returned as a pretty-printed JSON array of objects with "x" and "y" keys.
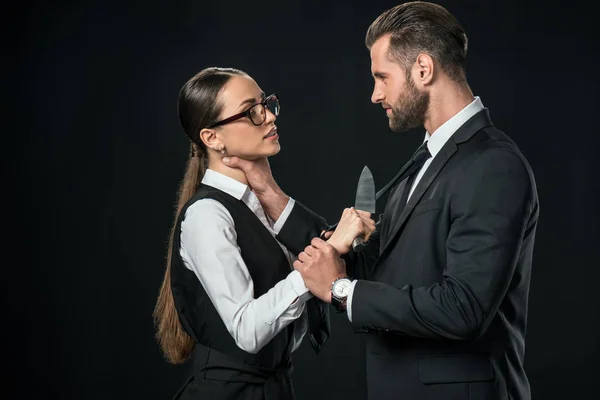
[{"x": 441, "y": 287}]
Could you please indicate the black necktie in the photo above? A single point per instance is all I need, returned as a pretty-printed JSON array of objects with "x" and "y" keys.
[
  {"x": 318, "y": 323},
  {"x": 413, "y": 165},
  {"x": 409, "y": 169},
  {"x": 418, "y": 158},
  {"x": 318, "y": 314},
  {"x": 397, "y": 201}
]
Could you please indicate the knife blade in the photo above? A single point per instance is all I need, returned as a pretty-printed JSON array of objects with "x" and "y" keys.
[
  {"x": 365, "y": 197},
  {"x": 365, "y": 200},
  {"x": 365, "y": 192}
]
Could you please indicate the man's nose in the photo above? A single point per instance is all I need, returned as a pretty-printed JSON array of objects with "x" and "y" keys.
[{"x": 377, "y": 96}]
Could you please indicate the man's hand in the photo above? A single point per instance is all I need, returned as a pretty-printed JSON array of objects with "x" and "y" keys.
[
  {"x": 320, "y": 264},
  {"x": 261, "y": 182},
  {"x": 258, "y": 173},
  {"x": 354, "y": 223}
]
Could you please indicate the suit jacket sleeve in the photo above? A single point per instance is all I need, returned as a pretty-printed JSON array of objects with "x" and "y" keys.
[
  {"x": 301, "y": 226},
  {"x": 361, "y": 264},
  {"x": 491, "y": 206}
]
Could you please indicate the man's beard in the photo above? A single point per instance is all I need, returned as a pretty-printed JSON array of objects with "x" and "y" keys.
[{"x": 410, "y": 109}]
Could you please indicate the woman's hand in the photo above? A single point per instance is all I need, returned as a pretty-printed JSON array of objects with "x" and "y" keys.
[{"x": 354, "y": 223}]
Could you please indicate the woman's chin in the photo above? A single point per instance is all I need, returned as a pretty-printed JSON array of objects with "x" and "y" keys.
[{"x": 275, "y": 148}]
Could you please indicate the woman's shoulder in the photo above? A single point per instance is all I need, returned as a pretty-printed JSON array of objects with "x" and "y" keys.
[{"x": 207, "y": 208}]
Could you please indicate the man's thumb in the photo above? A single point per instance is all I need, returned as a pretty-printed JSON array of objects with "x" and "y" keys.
[{"x": 233, "y": 162}]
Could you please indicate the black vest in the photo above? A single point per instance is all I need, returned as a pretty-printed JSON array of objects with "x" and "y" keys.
[{"x": 267, "y": 265}]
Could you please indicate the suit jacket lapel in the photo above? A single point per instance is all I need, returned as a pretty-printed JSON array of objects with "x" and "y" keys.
[
  {"x": 464, "y": 133},
  {"x": 434, "y": 168},
  {"x": 388, "y": 214}
]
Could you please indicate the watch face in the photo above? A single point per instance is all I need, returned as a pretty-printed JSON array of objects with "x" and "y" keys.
[{"x": 341, "y": 287}]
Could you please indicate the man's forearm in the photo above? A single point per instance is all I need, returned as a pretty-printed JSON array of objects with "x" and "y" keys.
[
  {"x": 273, "y": 201},
  {"x": 300, "y": 227}
]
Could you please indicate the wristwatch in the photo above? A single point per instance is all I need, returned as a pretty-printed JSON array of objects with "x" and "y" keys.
[{"x": 339, "y": 293}]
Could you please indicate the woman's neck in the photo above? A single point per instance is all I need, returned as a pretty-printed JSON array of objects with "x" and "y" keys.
[{"x": 237, "y": 174}]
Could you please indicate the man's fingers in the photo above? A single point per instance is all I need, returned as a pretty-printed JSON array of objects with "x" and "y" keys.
[
  {"x": 304, "y": 256},
  {"x": 368, "y": 222},
  {"x": 362, "y": 213},
  {"x": 309, "y": 250},
  {"x": 365, "y": 217},
  {"x": 318, "y": 243},
  {"x": 327, "y": 234},
  {"x": 231, "y": 161},
  {"x": 236, "y": 162},
  {"x": 297, "y": 265}
]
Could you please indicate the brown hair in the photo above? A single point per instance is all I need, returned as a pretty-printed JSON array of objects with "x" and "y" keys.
[
  {"x": 421, "y": 27},
  {"x": 198, "y": 107}
]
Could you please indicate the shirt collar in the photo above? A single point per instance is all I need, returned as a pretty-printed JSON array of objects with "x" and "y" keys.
[
  {"x": 440, "y": 136},
  {"x": 222, "y": 182}
]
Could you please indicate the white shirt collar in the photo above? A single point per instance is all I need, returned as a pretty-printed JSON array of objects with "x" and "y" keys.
[
  {"x": 440, "y": 136},
  {"x": 222, "y": 182}
]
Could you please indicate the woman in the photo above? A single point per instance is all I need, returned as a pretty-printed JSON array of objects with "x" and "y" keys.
[{"x": 230, "y": 295}]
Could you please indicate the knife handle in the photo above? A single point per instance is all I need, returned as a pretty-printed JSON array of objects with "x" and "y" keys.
[{"x": 357, "y": 242}]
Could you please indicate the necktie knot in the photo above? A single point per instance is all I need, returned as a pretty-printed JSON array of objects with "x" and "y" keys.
[
  {"x": 414, "y": 164},
  {"x": 422, "y": 154}
]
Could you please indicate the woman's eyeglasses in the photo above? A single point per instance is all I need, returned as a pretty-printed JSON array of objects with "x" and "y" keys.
[{"x": 257, "y": 113}]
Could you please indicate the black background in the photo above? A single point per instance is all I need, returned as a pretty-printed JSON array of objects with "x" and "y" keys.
[{"x": 93, "y": 154}]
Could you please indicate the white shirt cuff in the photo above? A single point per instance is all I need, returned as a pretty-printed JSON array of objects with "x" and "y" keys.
[
  {"x": 349, "y": 299},
  {"x": 293, "y": 301},
  {"x": 284, "y": 216},
  {"x": 298, "y": 285}
]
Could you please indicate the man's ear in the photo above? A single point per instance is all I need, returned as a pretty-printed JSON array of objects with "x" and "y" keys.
[{"x": 424, "y": 68}]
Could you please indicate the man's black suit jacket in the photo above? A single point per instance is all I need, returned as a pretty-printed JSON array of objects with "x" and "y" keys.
[{"x": 442, "y": 289}]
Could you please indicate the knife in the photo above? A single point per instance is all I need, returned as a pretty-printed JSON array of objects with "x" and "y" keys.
[
  {"x": 365, "y": 200},
  {"x": 365, "y": 197}
]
